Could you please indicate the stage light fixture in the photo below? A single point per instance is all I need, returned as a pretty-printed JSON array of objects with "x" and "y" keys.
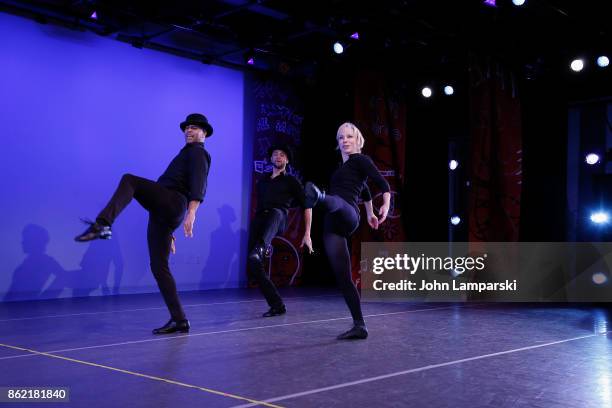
[
  {"x": 600, "y": 217},
  {"x": 426, "y": 92},
  {"x": 603, "y": 61},
  {"x": 249, "y": 57},
  {"x": 599, "y": 278},
  {"x": 577, "y": 65},
  {"x": 338, "y": 47},
  {"x": 592, "y": 158}
]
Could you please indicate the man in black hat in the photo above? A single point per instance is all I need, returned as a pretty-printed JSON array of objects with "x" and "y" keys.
[
  {"x": 173, "y": 198},
  {"x": 276, "y": 193}
]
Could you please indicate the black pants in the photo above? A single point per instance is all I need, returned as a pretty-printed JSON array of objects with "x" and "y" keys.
[
  {"x": 265, "y": 226},
  {"x": 166, "y": 211},
  {"x": 341, "y": 220}
]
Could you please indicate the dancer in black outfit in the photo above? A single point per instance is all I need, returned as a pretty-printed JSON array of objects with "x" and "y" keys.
[
  {"x": 179, "y": 190},
  {"x": 342, "y": 215},
  {"x": 276, "y": 193}
]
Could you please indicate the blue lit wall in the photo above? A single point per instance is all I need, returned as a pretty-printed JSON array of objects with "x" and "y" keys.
[{"x": 76, "y": 112}]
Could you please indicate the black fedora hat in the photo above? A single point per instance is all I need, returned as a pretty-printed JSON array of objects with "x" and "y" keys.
[
  {"x": 200, "y": 120},
  {"x": 281, "y": 146}
]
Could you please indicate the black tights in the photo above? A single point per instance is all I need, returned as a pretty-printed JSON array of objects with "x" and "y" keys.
[{"x": 341, "y": 220}]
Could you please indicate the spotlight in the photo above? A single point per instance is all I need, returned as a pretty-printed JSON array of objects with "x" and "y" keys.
[
  {"x": 599, "y": 278},
  {"x": 600, "y": 217},
  {"x": 448, "y": 90},
  {"x": 453, "y": 164},
  {"x": 338, "y": 48},
  {"x": 518, "y": 3},
  {"x": 490, "y": 3},
  {"x": 355, "y": 36},
  {"x": 94, "y": 16},
  {"x": 249, "y": 57},
  {"x": 603, "y": 61},
  {"x": 426, "y": 92},
  {"x": 592, "y": 158},
  {"x": 577, "y": 65},
  {"x": 455, "y": 220}
]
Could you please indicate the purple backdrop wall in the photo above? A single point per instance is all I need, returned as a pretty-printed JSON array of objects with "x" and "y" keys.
[{"x": 76, "y": 112}]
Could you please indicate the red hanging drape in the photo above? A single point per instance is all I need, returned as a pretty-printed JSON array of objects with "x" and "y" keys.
[
  {"x": 495, "y": 171},
  {"x": 381, "y": 117}
]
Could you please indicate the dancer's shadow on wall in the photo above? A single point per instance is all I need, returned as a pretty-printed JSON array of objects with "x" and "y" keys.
[
  {"x": 96, "y": 265},
  {"x": 39, "y": 276},
  {"x": 222, "y": 263}
]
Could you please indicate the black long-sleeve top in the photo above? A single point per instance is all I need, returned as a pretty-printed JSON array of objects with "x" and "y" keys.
[
  {"x": 283, "y": 192},
  {"x": 187, "y": 173},
  {"x": 349, "y": 181}
]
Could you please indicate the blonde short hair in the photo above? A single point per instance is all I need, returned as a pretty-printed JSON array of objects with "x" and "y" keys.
[{"x": 355, "y": 132}]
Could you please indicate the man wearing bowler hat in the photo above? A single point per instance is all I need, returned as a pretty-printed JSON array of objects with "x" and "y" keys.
[
  {"x": 276, "y": 193},
  {"x": 172, "y": 199}
]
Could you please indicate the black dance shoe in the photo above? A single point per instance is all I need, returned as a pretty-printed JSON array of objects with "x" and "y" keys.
[
  {"x": 94, "y": 231},
  {"x": 173, "y": 326},
  {"x": 258, "y": 253},
  {"x": 357, "y": 332},
  {"x": 276, "y": 311},
  {"x": 313, "y": 195}
]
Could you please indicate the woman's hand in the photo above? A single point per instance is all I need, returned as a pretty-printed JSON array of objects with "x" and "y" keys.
[
  {"x": 384, "y": 209},
  {"x": 308, "y": 242},
  {"x": 373, "y": 221}
]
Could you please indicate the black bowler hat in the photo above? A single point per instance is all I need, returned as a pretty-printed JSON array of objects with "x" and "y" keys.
[
  {"x": 283, "y": 147},
  {"x": 200, "y": 120}
]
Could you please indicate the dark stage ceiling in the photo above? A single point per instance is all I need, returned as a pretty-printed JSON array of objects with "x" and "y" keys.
[{"x": 296, "y": 37}]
